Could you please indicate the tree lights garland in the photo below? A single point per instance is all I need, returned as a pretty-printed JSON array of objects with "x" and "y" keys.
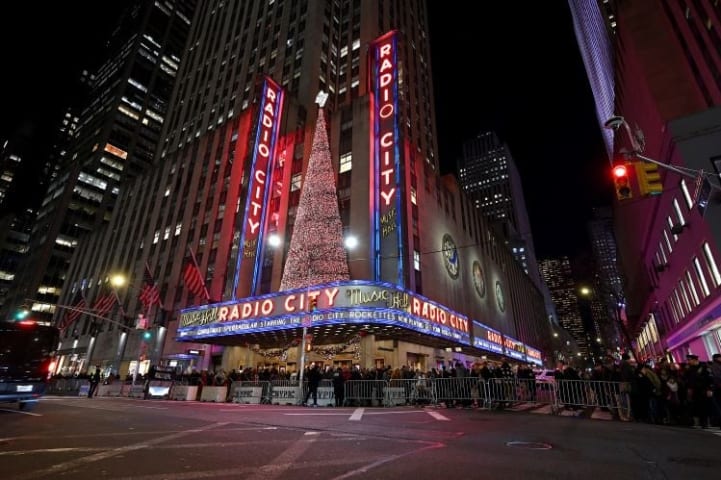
[
  {"x": 281, "y": 353},
  {"x": 316, "y": 253},
  {"x": 325, "y": 351},
  {"x": 330, "y": 351}
]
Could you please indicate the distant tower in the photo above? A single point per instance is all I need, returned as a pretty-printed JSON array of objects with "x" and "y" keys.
[
  {"x": 558, "y": 276},
  {"x": 603, "y": 247},
  {"x": 489, "y": 177}
]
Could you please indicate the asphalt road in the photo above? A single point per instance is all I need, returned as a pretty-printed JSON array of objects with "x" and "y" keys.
[{"x": 119, "y": 438}]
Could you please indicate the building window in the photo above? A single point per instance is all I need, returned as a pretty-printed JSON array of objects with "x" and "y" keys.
[
  {"x": 686, "y": 194},
  {"x": 414, "y": 199},
  {"x": 684, "y": 295},
  {"x": 679, "y": 213},
  {"x": 692, "y": 288},
  {"x": 417, "y": 260},
  {"x": 711, "y": 262},
  {"x": 668, "y": 240},
  {"x": 346, "y": 162},
  {"x": 701, "y": 277},
  {"x": 296, "y": 182},
  {"x": 670, "y": 227}
]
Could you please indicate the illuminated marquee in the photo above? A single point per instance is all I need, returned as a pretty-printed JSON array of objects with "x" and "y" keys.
[
  {"x": 534, "y": 356},
  {"x": 514, "y": 349},
  {"x": 341, "y": 302},
  {"x": 386, "y": 177},
  {"x": 487, "y": 339},
  {"x": 261, "y": 171}
]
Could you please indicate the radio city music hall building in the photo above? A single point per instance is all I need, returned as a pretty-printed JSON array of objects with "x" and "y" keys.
[{"x": 428, "y": 283}]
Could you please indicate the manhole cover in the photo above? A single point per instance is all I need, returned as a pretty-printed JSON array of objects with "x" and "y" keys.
[{"x": 530, "y": 445}]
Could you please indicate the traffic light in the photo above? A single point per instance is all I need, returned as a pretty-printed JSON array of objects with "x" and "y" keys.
[
  {"x": 649, "y": 178},
  {"x": 622, "y": 181},
  {"x": 147, "y": 335},
  {"x": 313, "y": 304}
]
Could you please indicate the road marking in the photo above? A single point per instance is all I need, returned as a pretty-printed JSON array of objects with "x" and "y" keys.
[
  {"x": 357, "y": 414},
  {"x": 279, "y": 466},
  {"x": 437, "y": 415},
  {"x": 81, "y": 462},
  {"x": 21, "y": 412}
]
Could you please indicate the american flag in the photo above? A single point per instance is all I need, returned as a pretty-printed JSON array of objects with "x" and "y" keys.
[
  {"x": 72, "y": 315},
  {"x": 104, "y": 302},
  {"x": 194, "y": 279},
  {"x": 149, "y": 293}
]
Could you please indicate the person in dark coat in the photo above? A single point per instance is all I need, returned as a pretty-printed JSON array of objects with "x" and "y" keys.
[
  {"x": 94, "y": 382},
  {"x": 314, "y": 378},
  {"x": 338, "y": 387}
]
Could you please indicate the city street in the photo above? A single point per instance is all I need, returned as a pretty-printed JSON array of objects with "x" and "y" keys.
[{"x": 120, "y": 438}]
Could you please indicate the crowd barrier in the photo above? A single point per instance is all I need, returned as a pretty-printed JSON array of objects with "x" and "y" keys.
[{"x": 494, "y": 393}]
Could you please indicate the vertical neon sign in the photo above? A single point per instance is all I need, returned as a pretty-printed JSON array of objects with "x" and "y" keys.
[
  {"x": 259, "y": 180},
  {"x": 386, "y": 176}
]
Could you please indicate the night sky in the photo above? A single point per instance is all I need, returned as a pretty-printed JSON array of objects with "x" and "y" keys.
[
  {"x": 510, "y": 66},
  {"x": 514, "y": 67}
]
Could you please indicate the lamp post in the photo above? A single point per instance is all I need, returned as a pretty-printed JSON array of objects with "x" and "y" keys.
[{"x": 118, "y": 281}]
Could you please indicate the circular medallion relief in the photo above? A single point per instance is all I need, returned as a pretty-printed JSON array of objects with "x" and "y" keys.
[
  {"x": 479, "y": 282},
  {"x": 450, "y": 256},
  {"x": 499, "y": 297}
]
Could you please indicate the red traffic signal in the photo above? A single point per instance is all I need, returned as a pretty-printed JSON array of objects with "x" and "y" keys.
[
  {"x": 620, "y": 171},
  {"x": 621, "y": 181}
]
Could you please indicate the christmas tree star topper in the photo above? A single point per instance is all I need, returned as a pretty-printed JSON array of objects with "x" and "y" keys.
[{"x": 321, "y": 98}]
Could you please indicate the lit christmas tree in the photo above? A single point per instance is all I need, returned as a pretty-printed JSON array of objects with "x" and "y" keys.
[{"x": 316, "y": 246}]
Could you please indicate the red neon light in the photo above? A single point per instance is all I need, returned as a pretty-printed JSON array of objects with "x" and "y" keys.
[
  {"x": 263, "y": 150},
  {"x": 385, "y": 110}
]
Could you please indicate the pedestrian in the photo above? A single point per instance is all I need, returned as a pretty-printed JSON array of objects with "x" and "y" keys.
[
  {"x": 94, "y": 381},
  {"x": 339, "y": 387},
  {"x": 314, "y": 377}
]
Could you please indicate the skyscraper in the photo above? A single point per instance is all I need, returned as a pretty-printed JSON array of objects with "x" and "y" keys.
[
  {"x": 490, "y": 178},
  {"x": 429, "y": 278},
  {"x": 594, "y": 22},
  {"x": 558, "y": 275},
  {"x": 610, "y": 286},
  {"x": 114, "y": 141}
]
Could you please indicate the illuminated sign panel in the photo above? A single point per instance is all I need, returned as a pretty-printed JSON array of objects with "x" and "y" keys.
[
  {"x": 337, "y": 303},
  {"x": 386, "y": 175},
  {"x": 486, "y": 338},
  {"x": 513, "y": 348},
  {"x": 534, "y": 356},
  {"x": 261, "y": 171}
]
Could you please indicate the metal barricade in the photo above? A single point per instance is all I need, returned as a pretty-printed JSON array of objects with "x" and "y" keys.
[
  {"x": 364, "y": 393},
  {"x": 612, "y": 396},
  {"x": 67, "y": 386},
  {"x": 251, "y": 392},
  {"x": 457, "y": 391},
  {"x": 286, "y": 392}
]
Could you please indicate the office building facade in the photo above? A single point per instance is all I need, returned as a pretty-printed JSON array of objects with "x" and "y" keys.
[
  {"x": 113, "y": 139},
  {"x": 670, "y": 244}
]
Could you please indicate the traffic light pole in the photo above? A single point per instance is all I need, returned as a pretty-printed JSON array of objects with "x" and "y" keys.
[{"x": 615, "y": 122}]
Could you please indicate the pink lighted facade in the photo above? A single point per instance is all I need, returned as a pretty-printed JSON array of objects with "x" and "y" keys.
[{"x": 670, "y": 245}]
